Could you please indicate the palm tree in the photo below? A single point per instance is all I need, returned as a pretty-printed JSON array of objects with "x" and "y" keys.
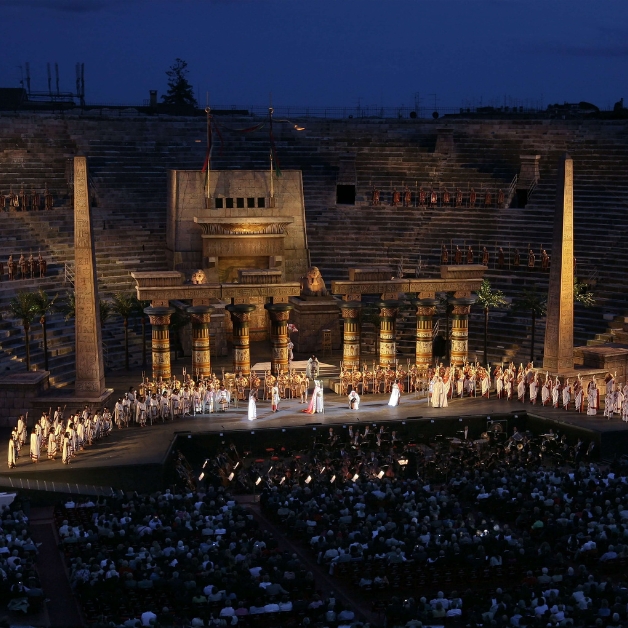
[
  {"x": 124, "y": 306},
  {"x": 140, "y": 306},
  {"x": 489, "y": 299},
  {"x": 582, "y": 294},
  {"x": 68, "y": 306},
  {"x": 45, "y": 305},
  {"x": 531, "y": 301},
  {"x": 23, "y": 307}
]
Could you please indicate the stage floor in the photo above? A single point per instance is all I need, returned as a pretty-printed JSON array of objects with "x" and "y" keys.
[{"x": 151, "y": 445}]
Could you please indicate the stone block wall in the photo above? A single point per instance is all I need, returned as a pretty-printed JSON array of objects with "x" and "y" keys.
[{"x": 17, "y": 393}]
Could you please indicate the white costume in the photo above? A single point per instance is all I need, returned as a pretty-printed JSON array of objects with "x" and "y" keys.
[
  {"x": 444, "y": 391},
  {"x": 252, "y": 407},
  {"x": 437, "y": 387},
  {"x": 394, "y": 395},
  {"x": 624, "y": 407},
  {"x": 35, "y": 445},
  {"x": 593, "y": 398},
  {"x": 354, "y": 400},
  {"x": 320, "y": 403}
]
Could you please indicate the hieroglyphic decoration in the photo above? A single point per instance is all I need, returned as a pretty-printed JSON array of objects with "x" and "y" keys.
[
  {"x": 90, "y": 370},
  {"x": 244, "y": 228},
  {"x": 279, "y": 313},
  {"x": 558, "y": 349},
  {"x": 201, "y": 358},
  {"x": 351, "y": 334},
  {"x": 159, "y": 318},
  {"x": 387, "y": 318},
  {"x": 460, "y": 329},
  {"x": 240, "y": 319},
  {"x": 425, "y": 310}
]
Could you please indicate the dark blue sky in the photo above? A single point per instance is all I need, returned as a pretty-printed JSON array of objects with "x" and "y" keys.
[{"x": 326, "y": 52}]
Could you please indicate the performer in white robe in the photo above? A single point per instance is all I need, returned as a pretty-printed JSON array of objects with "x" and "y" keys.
[
  {"x": 320, "y": 402},
  {"x": 619, "y": 399},
  {"x": 534, "y": 390},
  {"x": 521, "y": 390},
  {"x": 67, "y": 449},
  {"x": 508, "y": 386},
  {"x": 566, "y": 395},
  {"x": 444, "y": 390},
  {"x": 609, "y": 404},
  {"x": 546, "y": 392},
  {"x": 395, "y": 394},
  {"x": 437, "y": 388},
  {"x": 624, "y": 407},
  {"x": 35, "y": 445},
  {"x": 354, "y": 400},
  {"x": 579, "y": 397},
  {"x": 252, "y": 405},
  {"x": 556, "y": 393},
  {"x": 21, "y": 429},
  {"x": 118, "y": 411},
  {"x": 593, "y": 398},
  {"x": 275, "y": 397},
  {"x": 12, "y": 457},
  {"x": 485, "y": 383}
]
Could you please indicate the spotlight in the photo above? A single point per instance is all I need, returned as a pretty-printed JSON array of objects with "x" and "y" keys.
[
  {"x": 205, "y": 463},
  {"x": 231, "y": 476},
  {"x": 402, "y": 462},
  {"x": 333, "y": 479},
  {"x": 271, "y": 468},
  {"x": 237, "y": 464},
  {"x": 380, "y": 475},
  {"x": 283, "y": 479},
  {"x": 323, "y": 470},
  {"x": 308, "y": 479},
  {"x": 355, "y": 477},
  {"x": 258, "y": 481},
  {"x": 201, "y": 476}
]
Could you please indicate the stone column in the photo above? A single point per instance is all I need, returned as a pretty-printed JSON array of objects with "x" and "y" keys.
[
  {"x": 558, "y": 350},
  {"x": 425, "y": 310},
  {"x": 387, "y": 346},
  {"x": 201, "y": 360},
  {"x": 350, "y": 311},
  {"x": 279, "y": 314},
  {"x": 90, "y": 367},
  {"x": 460, "y": 329},
  {"x": 160, "y": 320},
  {"x": 240, "y": 317}
]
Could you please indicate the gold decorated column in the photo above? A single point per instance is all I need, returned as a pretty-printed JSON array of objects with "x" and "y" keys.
[
  {"x": 201, "y": 360},
  {"x": 279, "y": 314},
  {"x": 460, "y": 329},
  {"x": 387, "y": 318},
  {"x": 350, "y": 311},
  {"x": 160, "y": 320},
  {"x": 425, "y": 310},
  {"x": 240, "y": 317}
]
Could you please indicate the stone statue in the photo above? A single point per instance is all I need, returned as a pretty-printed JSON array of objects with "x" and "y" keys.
[
  {"x": 313, "y": 284},
  {"x": 198, "y": 277}
]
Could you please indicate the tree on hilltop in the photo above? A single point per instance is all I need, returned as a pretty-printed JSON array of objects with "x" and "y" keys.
[{"x": 180, "y": 92}]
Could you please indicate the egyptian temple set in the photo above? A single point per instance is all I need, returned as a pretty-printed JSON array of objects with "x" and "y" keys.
[{"x": 355, "y": 216}]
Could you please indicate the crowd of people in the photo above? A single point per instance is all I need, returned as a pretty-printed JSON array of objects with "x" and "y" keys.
[
  {"x": 20, "y": 589},
  {"x": 520, "y": 534},
  {"x": 185, "y": 558},
  {"x": 57, "y": 437}
]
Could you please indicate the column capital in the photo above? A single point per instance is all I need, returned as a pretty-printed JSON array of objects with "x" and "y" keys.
[
  {"x": 240, "y": 311},
  {"x": 350, "y": 309},
  {"x": 159, "y": 315},
  {"x": 388, "y": 308},
  {"x": 278, "y": 312},
  {"x": 200, "y": 313}
]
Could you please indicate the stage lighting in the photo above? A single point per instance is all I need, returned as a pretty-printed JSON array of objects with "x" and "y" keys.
[
  {"x": 402, "y": 462},
  {"x": 308, "y": 479},
  {"x": 237, "y": 464},
  {"x": 323, "y": 470},
  {"x": 205, "y": 463},
  {"x": 270, "y": 469},
  {"x": 258, "y": 481},
  {"x": 355, "y": 477},
  {"x": 380, "y": 475},
  {"x": 231, "y": 476},
  {"x": 283, "y": 479},
  {"x": 201, "y": 476},
  {"x": 333, "y": 479}
]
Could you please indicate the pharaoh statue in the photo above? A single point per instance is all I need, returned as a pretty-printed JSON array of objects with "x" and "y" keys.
[{"x": 313, "y": 284}]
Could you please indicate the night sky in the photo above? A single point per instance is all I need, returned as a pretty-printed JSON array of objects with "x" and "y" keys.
[{"x": 326, "y": 52}]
